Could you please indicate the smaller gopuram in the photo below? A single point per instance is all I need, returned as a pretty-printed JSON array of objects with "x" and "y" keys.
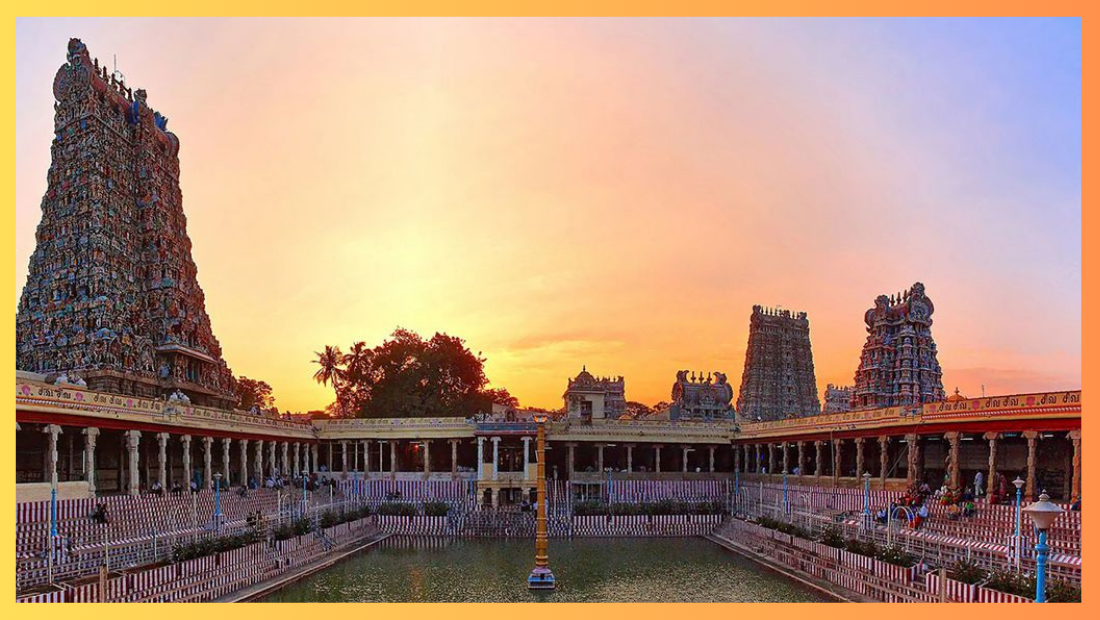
[
  {"x": 898, "y": 365},
  {"x": 778, "y": 381},
  {"x": 838, "y": 398},
  {"x": 588, "y": 398},
  {"x": 697, "y": 398}
]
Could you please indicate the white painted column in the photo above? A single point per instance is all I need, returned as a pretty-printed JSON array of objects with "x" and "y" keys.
[
  {"x": 526, "y": 454},
  {"x": 244, "y": 462},
  {"x": 393, "y": 458},
  {"x": 185, "y": 441},
  {"x": 629, "y": 457},
  {"x": 207, "y": 470},
  {"x": 90, "y": 435},
  {"x": 272, "y": 464},
  {"x": 52, "y": 430},
  {"x": 496, "y": 456},
  {"x": 454, "y": 456},
  {"x": 162, "y": 460},
  {"x": 226, "y": 446},
  {"x": 366, "y": 457},
  {"x": 427, "y": 457},
  {"x": 133, "y": 441},
  {"x": 258, "y": 456},
  {"x": 599, "y": 458},
  {"x": 712, "y": 459},
  {"x": 685, "y": 453},
  {"x": 657, "y": 460},
  {"x": 480, "y": 456}
]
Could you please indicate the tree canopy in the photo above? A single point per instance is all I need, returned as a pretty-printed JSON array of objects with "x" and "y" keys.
[
  {"x": 407, "y": 376},
  {"x": 253, "y": 392}
]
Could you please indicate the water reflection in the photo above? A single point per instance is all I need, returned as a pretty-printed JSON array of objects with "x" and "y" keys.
[{"x": 588, "y": 570}]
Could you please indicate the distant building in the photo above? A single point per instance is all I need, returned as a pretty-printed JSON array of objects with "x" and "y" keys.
[
  {"x": 696, "y": 398},
  {"x": 588, "y": 398},
  {"x": 778, "y": 381},
  {"x": 898, "y": 365},
  {"x": 838, "y": 398}
]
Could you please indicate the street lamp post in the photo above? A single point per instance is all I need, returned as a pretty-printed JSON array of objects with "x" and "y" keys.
[
  {"x": 866, "y": 500},
  {"x": 1042, "y": 513},
  {"x": 786, "y": 500},
  {"x": 541, "y": 577},
  {"x": 1016, "y": 541},
  {"x": 217, "y": 502}
]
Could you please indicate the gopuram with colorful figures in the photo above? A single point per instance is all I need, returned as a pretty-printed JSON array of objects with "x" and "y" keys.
[{"x": 138, "y": 480}]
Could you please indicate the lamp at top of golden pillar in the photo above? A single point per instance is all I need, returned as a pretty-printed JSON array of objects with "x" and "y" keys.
[{"x": 541, "y": 577}]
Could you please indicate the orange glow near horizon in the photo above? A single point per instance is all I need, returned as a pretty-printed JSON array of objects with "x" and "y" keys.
[{"x": 609, "y": 193}]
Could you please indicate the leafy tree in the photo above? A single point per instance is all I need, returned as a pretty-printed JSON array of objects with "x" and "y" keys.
[
  {"x": 253, "y": 392},
  {"x": 636, "y": 410},
  {"x": 408, "y": 376}
]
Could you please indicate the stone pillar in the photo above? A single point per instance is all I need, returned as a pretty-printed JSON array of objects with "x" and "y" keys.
[
  {"x": 366, "y": 456},
  {"x": 297, "y": 468},
  {"x": 90, "y": 435},
  {"x": 495, "y": 493},
  {"x": 329, "y": 451},
  {"x": 801, "y": 458},
  {"x": 758, "y": 460},
  {"x": 991, "y": 482},
  {"x": 162, "y": 460},
  {"x": 771, "y": 458},
  {"x": 393, "y": 458},
  {"x": 657, "y": 459},
  {"x": 227, "y": 444},
  {"x": 860, "y": 470},
  {"x": 315, "y": 453},
  {"x": 481, "y": 458},
  {"x": 285, "y": 469},
  {"x": 427, "y": 457},
  {"x": 272, "y": 458},
  {"x": 572, "y": 458},
  {"x": 207, "y": 471},
  {"x": 53, "y": 430},
  {"x": 711, "y": 449},
  {"x": 1032, "y": 443},
  {"x": 1075, "y": 483},
  {"x": 737, "y": 458},
  {"x": 526, "y": 454},
  {"x": 912, "y": 445},
  {"x": 838, "y": 452},
  {"x": 954, "y": 476},
  {"x": 454, "y": 456},
  {"x": 599, "y": 458},
  {"x": 629, "y": 457},
  {"x": 684, "y": 451},
  {"x": 820, "y": 459},
  {"x": 133, "y": 441},
  {"x": 786, "y": 459},
  {"x": 185, "y": 443},
  {"x": 243, "y": 443},
  {"x": 883, "y": 458},
  {"x": 496, "y": 462},
  {"x": 258, "y": 456},
  {"x": 343, "y": 456}
]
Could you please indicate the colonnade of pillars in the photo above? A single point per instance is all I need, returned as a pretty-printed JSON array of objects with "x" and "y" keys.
[
  {"x": 831, "y": 458},
  {"x": 283, "y": 458}
]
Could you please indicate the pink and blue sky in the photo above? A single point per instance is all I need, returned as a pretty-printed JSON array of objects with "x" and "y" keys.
[{"x": 610, "y": 192}]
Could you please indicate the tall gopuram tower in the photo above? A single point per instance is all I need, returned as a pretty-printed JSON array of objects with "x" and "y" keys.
[
  {"x": 898, "y": 365},
  {"x": 778, "y": 381},
  {"x": 112, "y": 292}
]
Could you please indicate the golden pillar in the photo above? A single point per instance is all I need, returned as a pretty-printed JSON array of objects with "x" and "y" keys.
[{"x": 541, "y": 577}]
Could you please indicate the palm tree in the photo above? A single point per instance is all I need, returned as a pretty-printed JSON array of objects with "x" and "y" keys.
[{"x": 330, "y": 370}]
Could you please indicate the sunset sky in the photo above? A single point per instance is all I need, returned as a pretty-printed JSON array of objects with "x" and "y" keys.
[{"x": 609, "y": 193}]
